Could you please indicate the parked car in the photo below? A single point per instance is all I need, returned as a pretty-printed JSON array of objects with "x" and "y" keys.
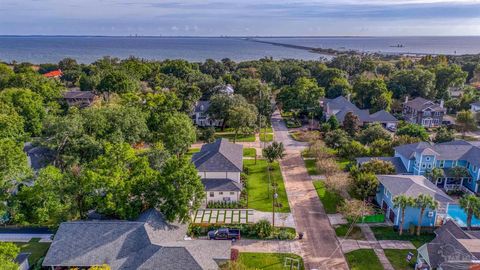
[{"x": 224, "y": 234}]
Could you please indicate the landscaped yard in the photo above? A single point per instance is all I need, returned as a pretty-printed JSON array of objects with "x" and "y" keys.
[
  {"x": 34, "y": 247},
  {"x": 398, "y": 258},
  {"x": 363, "y": 259},
  {"x": 249, "y": 152},
  {"x": 240, "y": 137},
  {"x": 311, "y": 166},
  {"x": 269, "y": 261},
  {"x": 330, "y": 200},
  {"x": 387, "y": 233},
  {"x": 356, "y": 233},
  {"x": 259, "y": 197}
]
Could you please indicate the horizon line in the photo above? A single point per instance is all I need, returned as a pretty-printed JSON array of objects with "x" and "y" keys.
[{"x": 236, "y": 36}]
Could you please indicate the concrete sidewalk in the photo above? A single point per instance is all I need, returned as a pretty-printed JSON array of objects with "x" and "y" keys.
[
  {"x": 351, "y": 245},
  {"x": 24, "y": 237},
  {"x": 268, "y": 246}
]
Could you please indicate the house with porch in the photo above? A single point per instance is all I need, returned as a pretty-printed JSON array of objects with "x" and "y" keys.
[
  {"x": 220, "y": 164},
  {"x": 452, "y": 248},
  {"x": 391, "y": 186},
  {"x": 201, "y": 118},
  {"x": 340, "y": 106},
  {"x": 423, "y": 112},
  {"x": 421, "y": 158}
]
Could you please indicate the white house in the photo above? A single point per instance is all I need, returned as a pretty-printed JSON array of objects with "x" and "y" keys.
[
  {"x": 219, "y": 164},
  {"x": 475, "y": 107}
]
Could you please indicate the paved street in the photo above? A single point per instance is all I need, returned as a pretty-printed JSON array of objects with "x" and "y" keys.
[{"x": 320, "y": 248}]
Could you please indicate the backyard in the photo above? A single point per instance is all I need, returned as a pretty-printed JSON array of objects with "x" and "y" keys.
[
  {"x": 270, "y": 261},
  {"x": 37, "y": 249},
  {"x": 259, "y": 193}
]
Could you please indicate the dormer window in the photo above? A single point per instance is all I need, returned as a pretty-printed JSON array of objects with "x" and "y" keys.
[{"x": 427, "y": 158}]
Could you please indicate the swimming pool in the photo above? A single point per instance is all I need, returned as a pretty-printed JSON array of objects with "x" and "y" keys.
[{"x": 456, "y": 213}]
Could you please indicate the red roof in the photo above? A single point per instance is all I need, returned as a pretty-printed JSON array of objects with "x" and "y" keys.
[{"x": 53, "y": 74}]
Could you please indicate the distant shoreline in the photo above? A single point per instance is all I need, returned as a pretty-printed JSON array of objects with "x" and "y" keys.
[{"x": 225, "y": 36}]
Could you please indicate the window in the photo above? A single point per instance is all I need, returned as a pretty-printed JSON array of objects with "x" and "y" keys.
[
  {"x": 232, "y": 193},
  {"x": 212, "y": 194},
  {"x": 424, "y": 166},
  {"x": 429, "y": 166},
  {"x": 474, "y": 168},
  {"x": 226, "y": 199},
  {"x": 469, "y": 180},
  {"x": 427, "y": 158},
  {"x": 221, "y": 193},
  {"x": 426, "y": 113},
  {"x": 442, "y": 163}
]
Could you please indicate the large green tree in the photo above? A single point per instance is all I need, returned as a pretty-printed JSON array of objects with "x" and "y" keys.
[
  {"x": 303, "y": 96},
  {"x": 372, "y": 94}
]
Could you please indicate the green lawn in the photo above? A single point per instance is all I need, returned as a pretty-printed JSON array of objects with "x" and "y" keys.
[
  {"x": 266, "y": 137},
  {"x": 363, "y": 259},
  {"x": 342, "y": 164},
  {"x": 356, "y": 233},
  {"x": 267, "y": 261},
  {"x": 36, "y": 249},
  {"x": 387, "y": 233},
  {"x": 191, "y": 151},
  {"x": 259, "y": 197},
  {"x": 398, "y": 258},
  {"x": 249, "y": 152},
  {"x": 240, "y": 137},
  {"x": 311, "y": 166},
  {"x": 330, "y": 200}
]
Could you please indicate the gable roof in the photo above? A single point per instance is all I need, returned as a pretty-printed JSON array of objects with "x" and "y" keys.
[
  {"x": 148, "y": 243},
  {"x": 413, "y": 186},
  {"x": 451, "y": 245},
  {"x": 453, "y": 150},
  {"x": 221, "y": 185},
  {"x": 344, "y": 106},
  {"x": 420, "y": 104},
  {"x": 219, "y": 156}
]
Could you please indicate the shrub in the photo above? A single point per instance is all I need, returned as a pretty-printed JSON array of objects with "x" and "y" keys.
[
  {"x": 327, "y": 167},
  {"x": 263, "y": 228},
  {"x": 234, "y": 254},
  {"x": 354, "y": 209}
]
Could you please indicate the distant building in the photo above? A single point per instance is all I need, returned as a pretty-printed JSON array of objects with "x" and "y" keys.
[
  {"x": 423, "y": 112},
  {"x": 79, "y": 98},
  {"x": 220, "y": 164},
  {"x": 150, "y": 242},
  {"x": 340, "y": 106},
  {"x": 452, "y": 248},
  {"x": 201, "y": 118},
  {"x": 54, "y": 74},
  {"x": 411, "y": 185},
  {"x": 475, "y": 107}
]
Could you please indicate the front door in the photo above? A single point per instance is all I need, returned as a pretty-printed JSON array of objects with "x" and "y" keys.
[
  {"x": 384, "y": 207},
  {"x": 392, "y": 216}
]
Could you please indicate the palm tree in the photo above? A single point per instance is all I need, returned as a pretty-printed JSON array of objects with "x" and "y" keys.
[
  {"x": 434, "y": 174},
  {"x": 402, "y": 202},
  {"x": 423, "y": 202},
  {"x": 471, "y": 204},
  {"x": 273, "y": 152}
]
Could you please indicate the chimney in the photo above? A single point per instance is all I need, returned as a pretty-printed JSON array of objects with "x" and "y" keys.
[
  {"x": 442, "y": 103},
  {"x": 406, "y": 99}
]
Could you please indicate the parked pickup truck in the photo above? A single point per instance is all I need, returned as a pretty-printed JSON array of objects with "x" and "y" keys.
[{"x": 224, "y": 234}]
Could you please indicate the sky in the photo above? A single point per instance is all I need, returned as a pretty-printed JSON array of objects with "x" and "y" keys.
[{"x": 240, "y": 17}]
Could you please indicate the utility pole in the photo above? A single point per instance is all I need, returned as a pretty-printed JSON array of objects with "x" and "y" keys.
[{"x": 275, "y": 195}]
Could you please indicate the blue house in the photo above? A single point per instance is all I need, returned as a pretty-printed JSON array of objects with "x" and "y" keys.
[
  {"x": 411, "y": 185},
  {"x": 420, "y": 158}
]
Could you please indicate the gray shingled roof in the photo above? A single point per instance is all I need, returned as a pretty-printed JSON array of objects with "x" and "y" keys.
[
  {"x": 38, "y": 156},
  {"x": 396, "y": 161},
  {"x": 219, "y": 156},
  {"x": 74, "y": 94},
  {"x": 343, "y": 106},
  {"x": 221, "y": 185},
  {"x": 412, "y": 185},
  {"x": 421, "y": 104},
  {"x": 447, "y": 246},
  {"x": 148, "y": 243},
  {"x": 453, "y": 150}
]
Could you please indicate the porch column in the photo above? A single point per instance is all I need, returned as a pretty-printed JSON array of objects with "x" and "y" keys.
[
  {"x": 445, "y": 182},
  {"x": 461, "y": 182}
]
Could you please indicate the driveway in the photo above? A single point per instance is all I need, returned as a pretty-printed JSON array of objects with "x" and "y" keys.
[{"x": 319, "y": 248}]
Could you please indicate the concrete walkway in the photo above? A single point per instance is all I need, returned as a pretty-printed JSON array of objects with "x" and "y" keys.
[
  {"x": 268, "y": 246},
  {"x": 351, "y": 245},
  {"x": 319, "y": 248},
  {"x": 376, "y": 246},
  {"x": 24, "y": 237}
]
